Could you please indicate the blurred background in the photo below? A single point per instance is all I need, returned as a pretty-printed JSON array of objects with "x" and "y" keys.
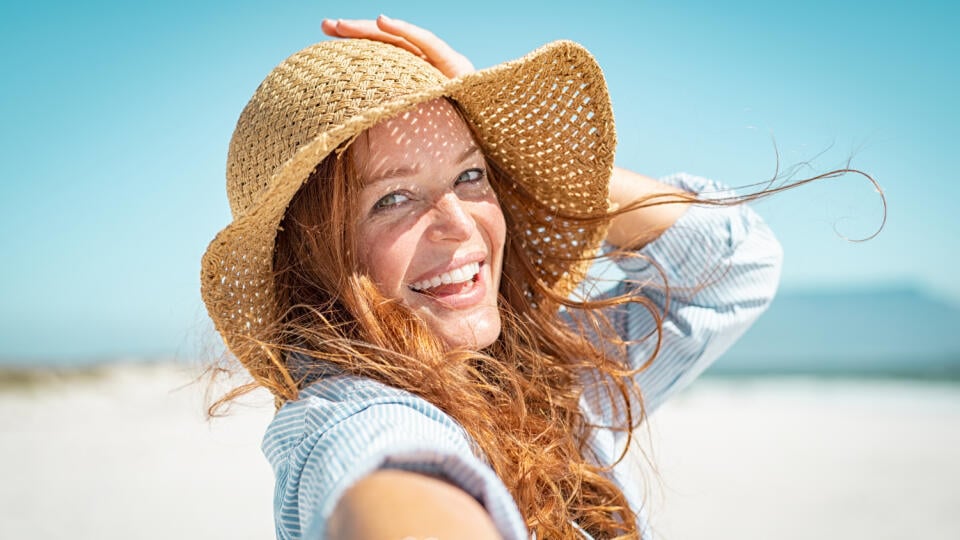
[{"x": 835, "y": 416}]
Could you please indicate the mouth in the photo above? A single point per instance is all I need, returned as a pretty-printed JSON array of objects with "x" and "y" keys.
[{"x": 452, "y": 282}]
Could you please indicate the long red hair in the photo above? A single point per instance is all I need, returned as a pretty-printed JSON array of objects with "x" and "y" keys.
[{"x": 519, "y": 399}]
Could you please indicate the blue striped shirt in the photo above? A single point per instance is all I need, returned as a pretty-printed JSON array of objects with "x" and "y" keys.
[{"x": 722, "y": 266}]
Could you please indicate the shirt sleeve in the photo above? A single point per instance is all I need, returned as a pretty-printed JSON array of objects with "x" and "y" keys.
[
  {"x": 344, "y": 428},
  {"x": 711, "y": 274}
]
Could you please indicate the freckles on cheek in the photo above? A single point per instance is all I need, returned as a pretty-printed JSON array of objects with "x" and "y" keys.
[
  {"x": 378, "y": 259},
  {"x": 367, "y": 257},
  {"x": 365, "y": 261},
  {"x": 374, "y": 266}
]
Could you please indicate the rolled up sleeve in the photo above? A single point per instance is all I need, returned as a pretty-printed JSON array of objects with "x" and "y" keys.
[{"x": 711, "y": 275}]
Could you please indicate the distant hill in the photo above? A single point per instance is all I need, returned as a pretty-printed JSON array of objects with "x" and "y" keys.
[{"x": 892, "y": 331}]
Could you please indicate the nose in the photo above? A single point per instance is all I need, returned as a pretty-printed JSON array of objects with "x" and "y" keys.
[{"x": 451, "y": 219}]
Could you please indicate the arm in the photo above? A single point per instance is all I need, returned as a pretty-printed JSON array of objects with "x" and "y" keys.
[
  {"x": 398, "y": 504},
  {"x": 721, "y": 265},
  {"x": 720, "y": 270},
  {"x": 352, "y": 456},
  {"x": 637, "y": 228}
]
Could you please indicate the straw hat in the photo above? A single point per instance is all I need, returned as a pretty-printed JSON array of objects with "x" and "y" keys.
[{"x": 545, "y": 119}]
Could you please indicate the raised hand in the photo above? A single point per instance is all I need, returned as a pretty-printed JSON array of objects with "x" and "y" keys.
[{"x": 411, "y": 37}]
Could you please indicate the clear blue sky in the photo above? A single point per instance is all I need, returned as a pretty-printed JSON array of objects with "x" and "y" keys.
[{"x": 116, "y": 118}]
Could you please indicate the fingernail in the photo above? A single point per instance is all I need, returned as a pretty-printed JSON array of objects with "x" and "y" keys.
[{"x": 384, "y": 17}]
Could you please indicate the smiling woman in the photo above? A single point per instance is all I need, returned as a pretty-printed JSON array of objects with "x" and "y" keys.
[{"x": 402, "y": 272}]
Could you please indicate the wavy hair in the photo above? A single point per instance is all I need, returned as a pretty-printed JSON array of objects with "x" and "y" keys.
[{"x": 519, "y": 399}]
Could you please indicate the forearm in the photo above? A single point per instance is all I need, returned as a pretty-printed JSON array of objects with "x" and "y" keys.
[
  {"x": 663, "y": 206},
  {"x": 400, "y": 504}
]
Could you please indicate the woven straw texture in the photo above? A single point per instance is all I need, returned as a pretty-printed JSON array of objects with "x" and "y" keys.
[{"x": 544, "y": 118}]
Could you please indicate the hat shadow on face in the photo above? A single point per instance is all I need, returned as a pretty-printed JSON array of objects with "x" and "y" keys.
[{"x": 430, "y": 131}]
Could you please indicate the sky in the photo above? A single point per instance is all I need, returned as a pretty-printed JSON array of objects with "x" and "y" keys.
[{"x": 116, "y": 118}]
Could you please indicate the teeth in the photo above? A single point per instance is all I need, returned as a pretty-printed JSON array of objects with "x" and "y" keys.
[{"x": 457, "y": 275}]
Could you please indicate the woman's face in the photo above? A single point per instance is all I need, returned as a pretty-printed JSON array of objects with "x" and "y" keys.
[{"x": 430, "y": 230}]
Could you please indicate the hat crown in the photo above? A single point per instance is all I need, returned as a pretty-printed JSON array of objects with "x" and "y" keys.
[{"x": 311, "y": 93}]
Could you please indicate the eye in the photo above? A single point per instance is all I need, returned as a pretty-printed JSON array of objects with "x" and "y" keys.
[
  {"x": 471, "y": 176},
  {"x": 391, "y": 200}
]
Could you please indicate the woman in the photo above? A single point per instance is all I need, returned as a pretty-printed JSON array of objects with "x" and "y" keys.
[{"x": 405, "y": 272}]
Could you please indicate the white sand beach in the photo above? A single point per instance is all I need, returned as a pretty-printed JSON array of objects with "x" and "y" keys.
[{"x": 128, "y": 454}]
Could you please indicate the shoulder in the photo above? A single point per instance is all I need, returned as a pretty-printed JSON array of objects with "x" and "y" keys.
[{"x": 332, "y": 403}]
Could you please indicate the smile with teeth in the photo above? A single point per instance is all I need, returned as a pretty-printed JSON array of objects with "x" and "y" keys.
[{"x": 463, "y": 274}]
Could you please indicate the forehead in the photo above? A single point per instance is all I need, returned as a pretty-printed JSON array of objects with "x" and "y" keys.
[{"x": 433, "y": 132}]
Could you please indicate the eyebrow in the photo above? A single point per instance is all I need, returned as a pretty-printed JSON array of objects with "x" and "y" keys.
[{"x": 404, "y": 170}]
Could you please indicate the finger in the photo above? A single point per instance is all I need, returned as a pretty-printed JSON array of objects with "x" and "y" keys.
[
  {"x": 329, "y": 27},
  {"x": 366, "y": 29},
  {"x": 437, "y": 50}
]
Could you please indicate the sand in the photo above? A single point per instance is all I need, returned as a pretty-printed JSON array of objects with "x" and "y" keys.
[
  {"x": 809, "y": 459},
  {"x": 127, "y": 453}
]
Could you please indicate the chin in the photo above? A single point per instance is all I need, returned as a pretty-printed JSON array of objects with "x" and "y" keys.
[{"x": 476, "y": 336}]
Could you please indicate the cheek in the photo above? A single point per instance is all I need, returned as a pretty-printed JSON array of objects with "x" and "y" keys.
[
  {"x": 385, "y": 257},
  {"x": 494, "y": 224},
  {"x": 501, "y": 226}
]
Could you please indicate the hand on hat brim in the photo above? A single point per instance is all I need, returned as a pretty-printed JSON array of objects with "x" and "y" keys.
[{"x": 411, "y": 37}]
